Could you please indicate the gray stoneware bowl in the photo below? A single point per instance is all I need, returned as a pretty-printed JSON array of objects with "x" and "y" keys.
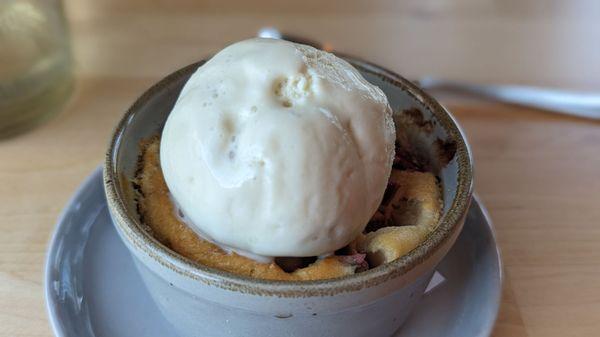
[{"x": 201, "y": 301}]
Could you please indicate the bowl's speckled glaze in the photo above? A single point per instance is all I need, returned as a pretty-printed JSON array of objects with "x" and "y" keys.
[{"x": 202, "y": 301}]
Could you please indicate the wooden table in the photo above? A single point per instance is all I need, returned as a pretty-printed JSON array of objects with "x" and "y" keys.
[{"x": 537, "y": 173}]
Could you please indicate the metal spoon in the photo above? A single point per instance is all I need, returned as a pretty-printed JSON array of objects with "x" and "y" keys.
[{"x": 572, "y": 103}]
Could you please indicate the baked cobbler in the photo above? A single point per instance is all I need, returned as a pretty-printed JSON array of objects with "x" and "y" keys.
[{"x": 410, "y": 210}]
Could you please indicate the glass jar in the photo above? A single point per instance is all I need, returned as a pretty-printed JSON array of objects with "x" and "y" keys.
[{"x": 35, "y": 63}]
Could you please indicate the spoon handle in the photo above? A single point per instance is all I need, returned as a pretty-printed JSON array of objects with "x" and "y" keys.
[{"x": 580, "y": 104}]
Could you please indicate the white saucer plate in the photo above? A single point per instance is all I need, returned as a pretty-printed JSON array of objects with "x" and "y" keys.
[{"x": 94, "y": 290}]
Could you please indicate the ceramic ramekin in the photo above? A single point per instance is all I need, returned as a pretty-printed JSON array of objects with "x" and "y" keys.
[{"x": 202, "y": 301}]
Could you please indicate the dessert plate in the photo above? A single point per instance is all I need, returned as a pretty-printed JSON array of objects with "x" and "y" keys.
[{"x": 93, "y": 289}]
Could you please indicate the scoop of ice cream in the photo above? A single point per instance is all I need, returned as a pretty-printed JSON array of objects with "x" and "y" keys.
[{"x": 278, "y": 149}]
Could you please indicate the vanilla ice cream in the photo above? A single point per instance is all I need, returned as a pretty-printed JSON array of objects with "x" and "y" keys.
[{"x": 278, "y": 149}]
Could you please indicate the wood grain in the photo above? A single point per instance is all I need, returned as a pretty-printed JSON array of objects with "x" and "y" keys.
[{"x": 537, "y": 173}]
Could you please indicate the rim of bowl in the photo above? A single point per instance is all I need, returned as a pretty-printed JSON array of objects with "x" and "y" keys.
[{"x": 134, "y": 231}]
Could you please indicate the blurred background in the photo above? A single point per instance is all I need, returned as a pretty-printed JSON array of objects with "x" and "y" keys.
[
  {"x": 537, "y": 172},
  {"x": 543, "y": 42}
]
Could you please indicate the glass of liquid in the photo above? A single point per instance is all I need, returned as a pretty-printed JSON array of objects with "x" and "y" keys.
[{"x": 35, "y": 63}]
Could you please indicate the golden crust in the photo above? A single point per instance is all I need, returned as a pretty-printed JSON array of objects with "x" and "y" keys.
[
  {"x": 420, "y": 188},
  {"x": 416, "y": 206},
  {"x": 389, "y": 243}
]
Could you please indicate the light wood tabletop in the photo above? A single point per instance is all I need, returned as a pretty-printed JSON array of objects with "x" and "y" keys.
[{"x": 539, "y": 174}]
